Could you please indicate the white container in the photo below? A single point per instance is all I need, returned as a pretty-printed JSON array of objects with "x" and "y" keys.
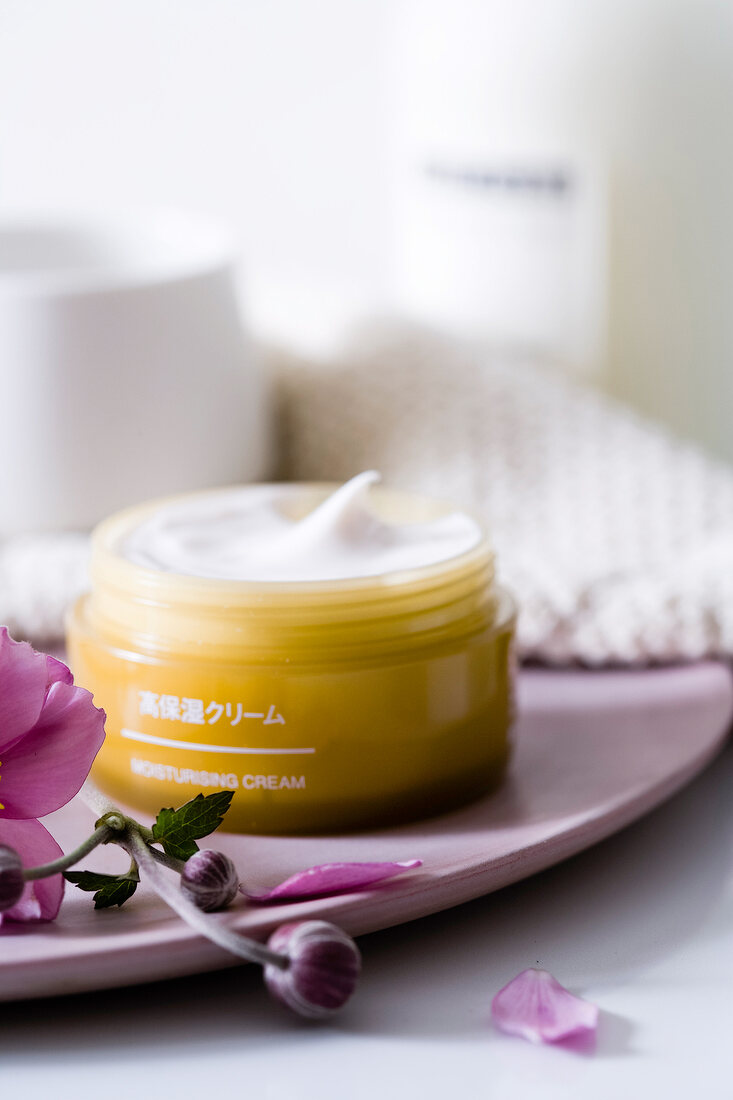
[
  {"x": 125, "y": 371},
  {"x": 501, "y": 200}
]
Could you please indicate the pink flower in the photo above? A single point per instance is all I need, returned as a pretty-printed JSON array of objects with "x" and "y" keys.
[
  {"x": 50, "y": 732},
  {"x": 535, "y": 1006}
]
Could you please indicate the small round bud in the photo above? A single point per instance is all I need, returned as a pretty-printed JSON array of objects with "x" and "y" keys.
[
  {"x": 210, "y": 880},
  {"x": 323, "y": 970},
  {"x": 12, "y": 882}
]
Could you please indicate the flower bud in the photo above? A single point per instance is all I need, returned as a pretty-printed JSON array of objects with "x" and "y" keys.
[
  {"x": 210, "y": 880},
  {"x": 323, "y": 969},
  {"x": 12, "y": 882}
]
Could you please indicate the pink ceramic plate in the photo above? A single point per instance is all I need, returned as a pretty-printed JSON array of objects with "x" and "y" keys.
[{"x": 594, "y": 751}]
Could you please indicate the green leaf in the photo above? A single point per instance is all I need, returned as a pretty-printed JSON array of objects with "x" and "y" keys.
[
  {"x": 108, "y": 890},
  {"x": 178, "y": 830}
]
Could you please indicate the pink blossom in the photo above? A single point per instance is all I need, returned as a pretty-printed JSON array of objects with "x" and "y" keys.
[
  {"x": 50, "y": 732},
  {"x": 535, "y": 1006}
]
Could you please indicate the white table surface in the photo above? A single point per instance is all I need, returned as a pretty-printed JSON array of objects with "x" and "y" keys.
[{"x": 641, "y": 924}]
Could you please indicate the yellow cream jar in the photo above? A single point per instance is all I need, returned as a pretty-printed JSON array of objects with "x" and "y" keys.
[{"x": 324, "y": 704}]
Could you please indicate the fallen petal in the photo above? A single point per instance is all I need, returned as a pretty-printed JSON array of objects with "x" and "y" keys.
[
  {"x": 535, "y": 1006},
  {"x": 333, "y": 878}
]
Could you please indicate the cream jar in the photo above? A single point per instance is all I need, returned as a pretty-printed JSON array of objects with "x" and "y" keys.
[{"x": 339, "y": 659}]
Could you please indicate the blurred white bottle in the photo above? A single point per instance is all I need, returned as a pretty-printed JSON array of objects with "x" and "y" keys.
[
  {"x": 501, "y": 209},
  {"x": 626, "y": 273}
]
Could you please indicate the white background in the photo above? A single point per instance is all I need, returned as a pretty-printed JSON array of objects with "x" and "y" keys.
[
  {"x": 267, "y": 114},
  {"x": 300, "y": 120}
]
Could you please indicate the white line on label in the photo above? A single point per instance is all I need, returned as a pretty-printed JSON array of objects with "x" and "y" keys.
[{"x": 169, "y": 743}]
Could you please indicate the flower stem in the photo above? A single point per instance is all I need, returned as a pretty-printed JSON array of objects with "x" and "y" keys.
[
  {"x": 239, "y": 945},
  {"x": 101, "y": 835},
  {"x": 172, "y": 864},
  {"x": 149, "y": 860}
]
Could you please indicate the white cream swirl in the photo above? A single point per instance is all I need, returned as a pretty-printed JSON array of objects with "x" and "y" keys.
[{"x": 251, "y": 533}]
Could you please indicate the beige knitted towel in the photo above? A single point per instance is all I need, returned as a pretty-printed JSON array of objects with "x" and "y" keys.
[{"x": 616, "y": 538}]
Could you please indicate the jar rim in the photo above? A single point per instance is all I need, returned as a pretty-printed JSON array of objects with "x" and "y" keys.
[
  {"x": 127, "y": 574},
  {"x": 403, "y": 608}
]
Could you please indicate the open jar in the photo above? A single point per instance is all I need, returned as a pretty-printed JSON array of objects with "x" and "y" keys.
[{"x": 323, "y": 704}]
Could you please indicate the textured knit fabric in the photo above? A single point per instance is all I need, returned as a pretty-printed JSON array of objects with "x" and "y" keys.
[
  {"x": 616, "y": 538},
  {"x": 40, "y": 577}
]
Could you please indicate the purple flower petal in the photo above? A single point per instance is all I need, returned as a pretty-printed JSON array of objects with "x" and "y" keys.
[
  {"x": 44, "y": 769},
  {"x": 23, "y": 682},
  {"x": 535, "y": 1006},
  {"x": 333, "y": 878},
  {"x": 34, "y": 844},
  {"x": 57, "y": 671}
]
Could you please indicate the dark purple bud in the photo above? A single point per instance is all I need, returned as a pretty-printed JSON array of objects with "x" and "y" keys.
[
  {"x": 12, "y": 882},
  {"x": 210, "y": 880},
  {"x": 323, "y": 969}
]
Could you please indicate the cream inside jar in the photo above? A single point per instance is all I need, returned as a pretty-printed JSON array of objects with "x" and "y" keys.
[{"x": 255, "y": 533}]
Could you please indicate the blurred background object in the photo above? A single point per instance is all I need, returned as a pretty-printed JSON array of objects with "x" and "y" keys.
[
  {"x": 372, "y": 153},
  {"x": 124, "y": 366}
]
